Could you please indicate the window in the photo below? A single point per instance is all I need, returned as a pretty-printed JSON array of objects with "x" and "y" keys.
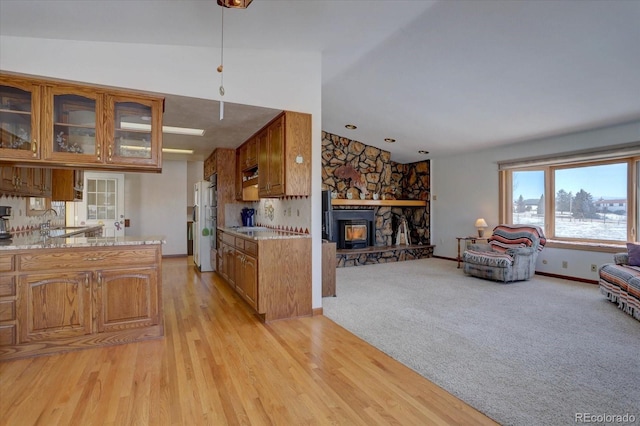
[{"x": 593, "y": 201}]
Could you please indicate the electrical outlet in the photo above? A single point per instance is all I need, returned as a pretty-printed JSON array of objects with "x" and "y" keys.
[
  {"x": 565, "y": 264},
  {"x": 594, "y": 268}
]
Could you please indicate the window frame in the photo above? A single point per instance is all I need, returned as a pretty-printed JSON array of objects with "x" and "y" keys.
[{"x": 633, "y": 200}]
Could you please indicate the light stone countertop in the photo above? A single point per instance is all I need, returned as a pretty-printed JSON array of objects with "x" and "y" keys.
[
  {"x": 33, "y": 240},
  {"x": 262, "y": 233}
]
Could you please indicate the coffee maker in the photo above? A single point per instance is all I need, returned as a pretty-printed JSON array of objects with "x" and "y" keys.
[{"x": 5, "y": 212}]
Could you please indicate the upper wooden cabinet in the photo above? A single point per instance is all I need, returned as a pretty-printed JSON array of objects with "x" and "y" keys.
[
  {"x": 66, "y": 185},
  {"x": 66, "y": 124},
  {"x": 249, "y": 154},
  {"x": 20, "y": 107},
  {"x": 284, "y": 156},
  {"x": 25, "y": 181}
]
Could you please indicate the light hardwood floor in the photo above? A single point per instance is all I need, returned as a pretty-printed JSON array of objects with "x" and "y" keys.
[{"x": 217, "y": 365}]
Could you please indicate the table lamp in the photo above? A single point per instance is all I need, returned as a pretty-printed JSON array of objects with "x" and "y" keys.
[{"x": 481, "y": 224}]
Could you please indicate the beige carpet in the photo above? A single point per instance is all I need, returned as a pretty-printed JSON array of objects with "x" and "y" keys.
[{"x": 528, "y": 353}]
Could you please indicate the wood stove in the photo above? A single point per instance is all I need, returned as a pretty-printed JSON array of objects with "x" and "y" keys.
[
  {"x": 353, "y": 234},
  {"x": 350, "y": 228}
]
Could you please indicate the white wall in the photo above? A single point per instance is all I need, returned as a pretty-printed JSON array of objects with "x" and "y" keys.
[
  {"x": 156, "y": 205},
  {"x": 465, "y": 187},
  {"x": 268, "y": 78}
]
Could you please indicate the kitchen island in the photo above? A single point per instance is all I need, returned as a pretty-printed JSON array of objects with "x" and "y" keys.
[
  {"x": 269, "y": 268},
  {"x": 66, "y": 293}
]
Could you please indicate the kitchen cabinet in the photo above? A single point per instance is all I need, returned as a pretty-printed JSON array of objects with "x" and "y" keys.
[
  {"x": 66, "y": 185},
  {"x": 20, "y": 107},
  {"x": 284, "y": 156},
  {"x": 54, "y": 305},
  {"x": 25, "y": 181},
  {"x": 8, "y": 297},
  {"x": 80, "y": 297},
  {"x": 66, "y": 124},
  {"x": 127, "y": 298},
  {"x": 246, "y": 270},
  {"x": 272, "y": 275},
  {"x": 72, "y": 124},
  {"x": 133, "y": 131},
  {"x": 249, "y": 154}
]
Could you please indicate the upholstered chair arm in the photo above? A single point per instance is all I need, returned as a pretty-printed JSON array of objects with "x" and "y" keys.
[
  {"x": 479, "y": 247},
  {"x": 521, "y": 251},
  {"x": 621, "y": 258}
]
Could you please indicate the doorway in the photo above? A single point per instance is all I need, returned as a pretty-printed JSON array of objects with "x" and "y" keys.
[{"x": 102, "y": 203}]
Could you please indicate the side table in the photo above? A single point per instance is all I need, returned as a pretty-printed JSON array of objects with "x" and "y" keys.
[{"x": 467, "y": 240}]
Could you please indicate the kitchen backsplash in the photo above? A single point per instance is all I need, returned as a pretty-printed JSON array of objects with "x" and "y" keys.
[
  {"x": 290, "y": 213},
  {"x": 19, "y": 221}
]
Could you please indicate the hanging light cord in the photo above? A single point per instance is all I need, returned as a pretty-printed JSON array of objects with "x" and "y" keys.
[{"x": 221, "y": 67}]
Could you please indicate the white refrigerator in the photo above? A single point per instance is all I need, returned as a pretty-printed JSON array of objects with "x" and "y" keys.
[{"x": 202, "y": 227}]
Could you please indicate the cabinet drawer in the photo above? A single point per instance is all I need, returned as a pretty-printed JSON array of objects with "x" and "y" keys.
[
  {"x": 6, "y": 262},
  {"x": 229, "y": 239},
  {"x": 7, "y": 286},
  {"x": 8, "y": 335},
  {"x": 89, "y": 258},
  {"x": 8, "y": 310},
  {"x": 251, "y": 247},
  {"x": 240, "y": 243}
]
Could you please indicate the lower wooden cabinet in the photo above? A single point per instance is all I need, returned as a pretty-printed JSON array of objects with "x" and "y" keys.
[
  {"x": 272, "y": 275},
  {"x": 127, "y": 298},
  {"x": 75, "y": 298},
  {"x": 54, "y": 305}
]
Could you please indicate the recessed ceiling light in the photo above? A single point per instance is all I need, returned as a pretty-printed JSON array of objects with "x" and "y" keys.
[
  {"x": 165, "y": 129},
  {"x": 422, "y": 151},
  {"x": 351, "y": 126},
  {"x": 390, "y": 140}
]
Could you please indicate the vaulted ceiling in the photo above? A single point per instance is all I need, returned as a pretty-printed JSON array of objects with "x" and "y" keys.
[{"x": 441, "y": 76}]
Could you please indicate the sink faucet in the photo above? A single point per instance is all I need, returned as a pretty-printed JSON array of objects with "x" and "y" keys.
[
  {"x": 46, "y": 226},
  {"x": 50, "y": 210}
]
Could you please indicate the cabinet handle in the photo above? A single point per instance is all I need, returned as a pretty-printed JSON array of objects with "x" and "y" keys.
[
  {"x": 99, "y": 279},
  {"x": 34, "y": 148},
  {"x": 99, "y": 151},
  {"x": 110, "y": 153},
  {"x": 86, "y": 281}
]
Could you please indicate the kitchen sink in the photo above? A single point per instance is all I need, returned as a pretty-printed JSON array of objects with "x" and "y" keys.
[{"x": 250, "y": 228}]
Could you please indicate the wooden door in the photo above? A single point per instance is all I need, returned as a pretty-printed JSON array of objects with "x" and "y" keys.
[
  {"x": 54, "y": 305},
  {"x": 126, "y": 298}
]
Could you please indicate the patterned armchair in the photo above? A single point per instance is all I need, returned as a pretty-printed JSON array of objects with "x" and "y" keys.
[{"x": 510, "y": 254}]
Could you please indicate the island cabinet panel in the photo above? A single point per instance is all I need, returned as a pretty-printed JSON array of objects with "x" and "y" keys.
[
  {"x": 127, "y": 298},
  {"x": 54, "y": 305},
  {"x": 272, "y": 275},
  {"x": 8, "y": 298},
  {"x": 79, "y": 297}
]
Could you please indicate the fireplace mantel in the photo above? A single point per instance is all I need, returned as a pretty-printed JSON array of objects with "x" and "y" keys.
[{"x": 393, "y": 203}]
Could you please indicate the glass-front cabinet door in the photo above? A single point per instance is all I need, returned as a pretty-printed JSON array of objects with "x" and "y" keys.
[
  {"x": 19, "y": 119},
  {"x": 73, "y": 129},
  {"x": 134, "y": 131}
]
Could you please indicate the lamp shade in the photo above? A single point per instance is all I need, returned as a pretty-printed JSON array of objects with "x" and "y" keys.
[{"x": 481, "y": 223}]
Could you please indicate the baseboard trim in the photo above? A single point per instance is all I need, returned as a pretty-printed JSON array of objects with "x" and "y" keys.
[
  {"x": 167, "y": 256},
  {"x": 566, "y": 277},
  {"x": 316, "y": 311}
]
